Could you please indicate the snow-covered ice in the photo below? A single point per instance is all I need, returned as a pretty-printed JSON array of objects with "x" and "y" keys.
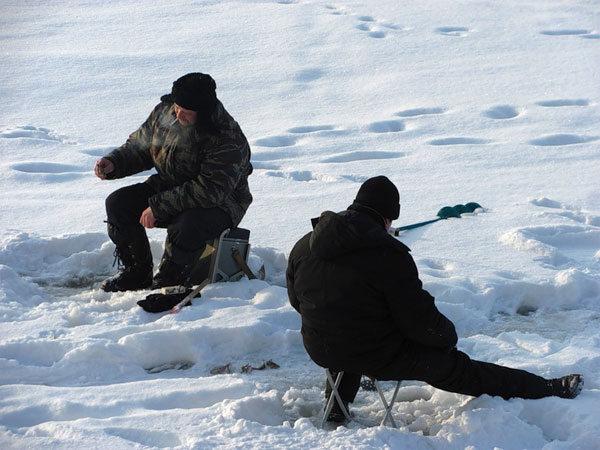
[{"x": 454, "y": 101}]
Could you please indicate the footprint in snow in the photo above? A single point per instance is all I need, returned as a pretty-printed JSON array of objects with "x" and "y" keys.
[
  {"x": 561, "y": 243},
  {"x": 373, "y": 28},
  {"x": 52, "y": 172},
  {"x": 386, "y": 126},
  {"x": 307, "y": 175},
  {"x": 502, "y": 112},
  {"x": 558, "y": 246},
  {"x": 361, "y": 156},
  {"x": 31, "y": 132},
  {"x": 458, "y": 141},
  {"x": 275, "y": 141},
  {"x": 310, "y": 74},
  {"x": 436, "y": 268},
  {"x": 509, "y": 275},
  {"x": 355, "y": 178},
  {"x": 288, "y": 141},
  {"x": 366, "y": 19},
  {"x": 301, "y": 175},
  {"x": 263, "y": 165},
  {"x": 334, "y": 10},
  {"x": 420, "y": 112},
  {"x": 97, "y": 151},
  {"x": 554, "y": 208},
  {"x": 564, "y": 102},
  {"x": 295, "y": 175},
  {"x": 310, "y": 129},
  {"x": 453, "y": 31},
  {"x": 566, "y": 32},
  {"x": 269, "y": 156},
  {"x": 48, "y": 167},
  {"x": 559, "y": 140}
]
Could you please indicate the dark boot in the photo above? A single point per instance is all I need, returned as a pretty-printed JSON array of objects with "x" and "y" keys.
[
  {"x": 347, "y": 390},
  {"x": 178, "y": 267},
  {"x": 336, "y": 415},
  {"x": 568, "y": 386},
  {"x": 135, "y": 270},
  {"x": 169, "y": 274}
]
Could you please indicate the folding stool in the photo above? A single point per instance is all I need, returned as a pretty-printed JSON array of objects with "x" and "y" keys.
[
  {"x": 225, "y": 258},
  {"x": 228, "y": 261},
  {"x": 335, "y": 396}
]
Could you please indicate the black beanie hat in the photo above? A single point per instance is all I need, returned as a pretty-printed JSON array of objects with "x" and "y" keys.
[
  {"x": 195, "y": 91},
  {"x": 380, "y": 194}
]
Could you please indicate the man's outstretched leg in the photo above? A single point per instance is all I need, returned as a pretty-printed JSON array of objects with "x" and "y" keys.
[
  {"x": 123, "y": 208},
  {"x": 454, "y": 371}
]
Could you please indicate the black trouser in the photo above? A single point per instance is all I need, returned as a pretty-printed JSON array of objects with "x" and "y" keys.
[
  {"x": 187, "y": 233},
  {"x": 454, "y": 372}
]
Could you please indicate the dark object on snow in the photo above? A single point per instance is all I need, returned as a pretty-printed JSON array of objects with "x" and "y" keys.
[
  {"x": 270, "y": 364},
  {"x": 134, "y": 263},
  {"x": 248, "y": 368},
  {"x": 336, "y": 415},
  {"x": 155, "y": 303},
  {"x": 568, "y": 386},
  {"x": 367, "y": 384},
  {"x": 180, "y": 365},
  {"x": 221, "y": 369},
  {"x": 128, "y": 278},
  {"x": 170, "y": 273},
  {"x": 445, "y": 213}
]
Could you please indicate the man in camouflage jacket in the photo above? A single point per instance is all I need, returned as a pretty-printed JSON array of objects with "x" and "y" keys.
[{"x": 202, "y": 163}]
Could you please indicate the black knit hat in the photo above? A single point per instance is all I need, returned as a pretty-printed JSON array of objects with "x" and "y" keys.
[
  {"x": 195, "y": 91},
  {"x": 380, "y": 194}
]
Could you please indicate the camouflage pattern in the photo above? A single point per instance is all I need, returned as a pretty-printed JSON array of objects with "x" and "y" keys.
[{"x": 194, "y": 169}]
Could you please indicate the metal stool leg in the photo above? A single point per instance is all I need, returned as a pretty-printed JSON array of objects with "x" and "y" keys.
[
  {"x": 388, "y": 408},
  {"x": 334, "y": 397}
]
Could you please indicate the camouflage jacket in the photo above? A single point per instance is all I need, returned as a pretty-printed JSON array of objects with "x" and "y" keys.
[{"x": 194, "y": 169}]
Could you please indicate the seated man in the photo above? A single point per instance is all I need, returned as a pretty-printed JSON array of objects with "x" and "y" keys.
[
  {"x": 202, "y": 160},
  {"x": 364, "y": 310}
]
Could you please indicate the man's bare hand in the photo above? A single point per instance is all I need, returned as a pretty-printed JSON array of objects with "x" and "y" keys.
[
  {"x": 103, "y": 167},
  {"x": 147, "y": 219}
]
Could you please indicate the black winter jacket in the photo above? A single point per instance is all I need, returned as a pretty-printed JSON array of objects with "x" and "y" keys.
[{"x": 359, "y": 294}]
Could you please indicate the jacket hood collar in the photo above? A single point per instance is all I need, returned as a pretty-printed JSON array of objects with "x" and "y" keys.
[{"x": 336, "y": 234}]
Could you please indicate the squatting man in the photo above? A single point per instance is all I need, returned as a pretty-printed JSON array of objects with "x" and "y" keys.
[
  {"x": 202, "y": 162},
  {"x": 364, "y": 310}
]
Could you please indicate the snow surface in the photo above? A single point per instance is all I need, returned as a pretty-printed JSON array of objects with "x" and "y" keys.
[{"x": 455, "y": 101}]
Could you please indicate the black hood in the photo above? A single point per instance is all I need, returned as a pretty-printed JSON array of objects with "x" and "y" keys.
[{"x": 336, "y": 234}]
